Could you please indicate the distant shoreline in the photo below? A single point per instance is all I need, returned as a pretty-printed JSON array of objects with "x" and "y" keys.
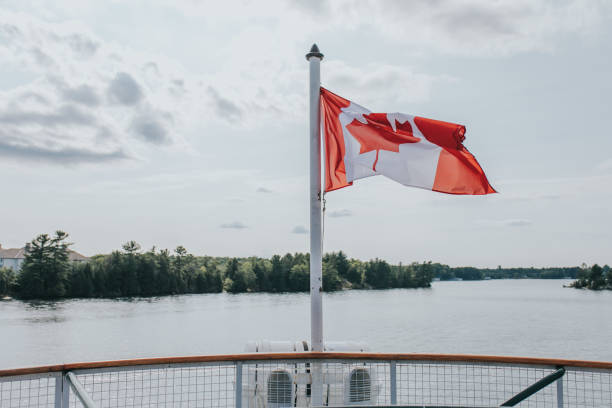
[{"x": 48, "y": 272}]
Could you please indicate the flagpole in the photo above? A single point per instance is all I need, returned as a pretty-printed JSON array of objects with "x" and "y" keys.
[{"x": 314, "y": 58}]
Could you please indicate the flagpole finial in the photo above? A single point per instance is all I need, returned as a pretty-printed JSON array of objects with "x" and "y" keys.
[{"x": 314, "y": 52}]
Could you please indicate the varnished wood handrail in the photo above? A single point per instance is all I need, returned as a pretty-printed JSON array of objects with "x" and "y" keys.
[{"x": 466, "y": 358}]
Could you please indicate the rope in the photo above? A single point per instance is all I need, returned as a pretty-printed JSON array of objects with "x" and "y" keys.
[{"x": 323, "y": 222}]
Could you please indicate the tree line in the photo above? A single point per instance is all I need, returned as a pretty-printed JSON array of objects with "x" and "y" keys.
[
  {"x": 445, "y": 272},
  {"x": 47, "y": 273},
  {"x": 595, "y": 277}
]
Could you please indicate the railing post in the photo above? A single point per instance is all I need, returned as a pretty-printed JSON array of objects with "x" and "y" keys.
[
  {"x": 560, "y": 393},
  {"x": 65, "y": 391},
  {"x": 58, "y": 391},
  {"x": 393, "y": 380},
  {"x": 238, "y": 390}
]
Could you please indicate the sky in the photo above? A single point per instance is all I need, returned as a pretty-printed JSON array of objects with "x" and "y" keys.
[{"x": 185, "y": 122}]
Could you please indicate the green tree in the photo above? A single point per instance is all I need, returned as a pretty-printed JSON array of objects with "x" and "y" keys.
[
  {"x": 299, "y": 278},
  {"x": 261, "y": 276},
  {"x": 214, "y": 279},
  {"x": 244, "y": 279},
  {"x": 164, "y": 278},
  {"x": 81, "y": 281},
  {"x": 423, "y": 274},
  {"x": 131, "y": 247},
  {"x": 7, "y": 281},
  {"x": 278, "y": 281},
  {"x": 596, "y": 277},
  {"x": 331, "y": 278},
  {"x": 232, "y": 268},
  {"x": 339, "y": 261},
  {"x": 378, "y": 274},
  {"x": 130, "y": 285},
  {"x": 356, "y": 273},
  {"x": 45, "y": 268},
  {"x": 147, "y": 273},
  {"x": 182, "y": 270}
]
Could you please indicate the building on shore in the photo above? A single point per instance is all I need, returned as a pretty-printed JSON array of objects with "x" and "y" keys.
[{"x": 13, "y": 257}]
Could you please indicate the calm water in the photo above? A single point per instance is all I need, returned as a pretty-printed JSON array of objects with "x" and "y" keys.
[{"x": 509, "y": 317}]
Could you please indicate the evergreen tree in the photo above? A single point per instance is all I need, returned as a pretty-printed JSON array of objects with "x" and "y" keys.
[
  {"x": 299, "y": 278},
  {"x": 261, "y": 276},
  {"x": 130, "y": 285},
  {"x": 45, "y": 268},
  {"x": 232, "y": 268},
  {"x": 356, "y": 273},
  {"x": 596, "y": 277},
  {"x": 147, "y": 273},
  {"x": 7, "y": 281},
  {"x": 164, "y": 279},
  {"x": 378, "y": 274},
  {"x": 331, "y": 278},
  {"x": 277, "y": 275}
]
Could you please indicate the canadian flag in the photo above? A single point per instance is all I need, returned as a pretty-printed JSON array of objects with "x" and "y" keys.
[{"x": 411, "y": 150}]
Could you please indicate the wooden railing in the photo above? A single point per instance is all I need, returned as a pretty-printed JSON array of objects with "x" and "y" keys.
[{"x": 465, "y": 358}]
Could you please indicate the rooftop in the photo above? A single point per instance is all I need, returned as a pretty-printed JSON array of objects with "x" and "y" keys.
[{"x": 19, "y": 253}]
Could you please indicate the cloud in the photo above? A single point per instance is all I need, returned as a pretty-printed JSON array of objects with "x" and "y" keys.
[
  {"x": 234, "y": 225},
  {"x": 298, "y": 229},
  {"x": 505, "y": 223},
  {"x": 124, "y": 89},
  {"x": 316, "y": 7},
  {"x": 400, "y": 83},
  {"x": 88, "y": 97},
  {"x": 470, "y": 27},
  {"x": 605, "y": 165},
  {"x": 340, "y": 213},
  {"x": 264, "y": 190},
  {"x": 517, "y": 223},
  {"x": 63, "y": 115},
  {"x": 225, "y": 108},
  {"x": 82, "y": 94},
  {"x": 151, "y": 129},
  {"x": 64, "y": 155}
]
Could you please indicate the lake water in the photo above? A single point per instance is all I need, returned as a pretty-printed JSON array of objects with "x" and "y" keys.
[{"x": 501, "y": 317}]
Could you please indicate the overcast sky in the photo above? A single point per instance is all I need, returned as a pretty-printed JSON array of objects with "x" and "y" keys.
[{"x": 185, "y": 122}]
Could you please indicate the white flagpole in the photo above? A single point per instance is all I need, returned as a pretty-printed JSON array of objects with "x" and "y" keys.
[{"x": 314, "y": 58}]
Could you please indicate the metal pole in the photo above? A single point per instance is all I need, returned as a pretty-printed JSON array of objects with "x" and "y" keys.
[
  {"x": 560, "y": 393},
  {"x": 238, "y": 390},
  {"x": 80, "y": 391},
  {"x": 393, "y": 379},
  {"x": 65, "y": 391},
  {"x": 58, "y": 391},
  {"x": 535, "y": 387},
  {"x": 314, "y": 58}
]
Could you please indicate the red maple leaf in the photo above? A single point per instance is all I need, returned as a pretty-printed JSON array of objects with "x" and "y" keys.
[{"x": 377, "y": 134}]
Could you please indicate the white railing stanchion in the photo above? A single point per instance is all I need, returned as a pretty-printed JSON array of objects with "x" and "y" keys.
[
  {"x": 560, "y": 393},
  {"x": 80, "y": 391},
  {"x": 238, "y": 390},
  {"x": 65, "y": 391},
  {"x": 58, "y": 391},
  {"x": 393, "y": 380}
]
